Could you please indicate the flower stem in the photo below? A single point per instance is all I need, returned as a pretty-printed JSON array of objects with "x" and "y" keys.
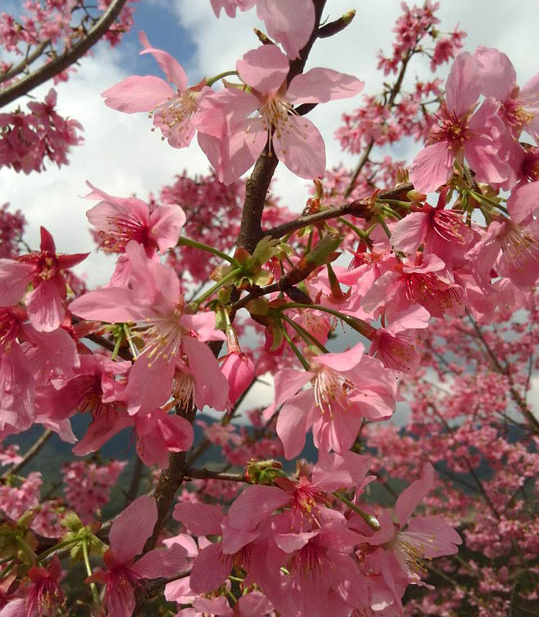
[
  {"x": 209, "y": 249},
  {"x": 228, "y": 277},
  {"x": 305, "y": 334},
  {"x": 358, "y": 325},
  {"x": 298, "y": 353},
  {"x": 86, "y": 557},
  {"x": 371, "y": 520},
  {"x": 211, "y": 80}
]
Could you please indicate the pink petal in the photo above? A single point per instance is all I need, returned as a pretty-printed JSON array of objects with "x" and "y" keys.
[
  {"x": 255, "y": 504},
  {"x": 409, "y": 232},
  {"x": 161, "y": 563},
  {"x": 47, "y": 241},
  {"x": 103, "y": 427},
  {"x": 463, "y": 85},
  {"x": 199, "y": 518},
  {"x": 322, "y": 85},
  {"x": 411, "y": 496},
  {"x": 432, "y": 167},
  {"x": 264, "y": 68},
  {"x": 343, "y": 361},
  {"x": 444, "y": 537},
  {"x": 14, "y": 279},
  {"x": 289, "y": 23},
  {"x": 301, "y": 148},
  {"x": 211, "y": 386},
  {"x": 129, "y": 532},
  {"x": 496, "y": 72},
  {"x": 169, "y": 65},
  {"x": 137, "y": 93},
  {"x": 166, "y": 226},
  {"x": 45, "y": 306},
  {"x": 523, "y": 201},
  {"x": 56, "y": 348},
  {"x": 290, "y": 542},
  {"x": 112, "y": 304},
  {"x": 293, "y": 421},
  {"x": 156, "y": 373},
  {"x": 209, "y": 570}
]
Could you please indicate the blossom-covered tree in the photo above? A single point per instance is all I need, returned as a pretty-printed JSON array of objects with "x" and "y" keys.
[{"x": 427, "y": 270}]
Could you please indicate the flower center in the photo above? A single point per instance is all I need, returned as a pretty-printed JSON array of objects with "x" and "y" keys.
[
  {"x": 331, "y": 389},
  {"x": 9, "y": 327},
  {"x": 174, "y": 114}
]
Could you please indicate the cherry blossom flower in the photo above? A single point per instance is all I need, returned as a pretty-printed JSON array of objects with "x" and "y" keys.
[
  {"x": 43, "y": 270},
  {"x": 232, "y": 137},
  {"x": 461, "y": 133},
  {"x": 519, "y": 106},
  {"x": 174, "y": 340},
  {"x": 127, "y": 537},
  {"x": 346, "y": 389},
  {"x": 173, "y": 109}
]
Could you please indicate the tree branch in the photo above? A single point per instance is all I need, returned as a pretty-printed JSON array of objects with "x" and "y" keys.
[
  {"x": 358, "y": 207},
  {"x": 69, "y": 57},
  {"x": 29, "y": 455}
]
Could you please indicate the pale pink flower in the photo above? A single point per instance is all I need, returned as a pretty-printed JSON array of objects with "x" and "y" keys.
[
  {"x": 461, "y": 133},
  {"x": 172, "y": 108},
  {"x": 405, "y": 544},
  {"x": 519, "y": 106},
  {"x": 232, "y": 137},
  {"x": 519, "y": 257},
  {"x": 440, "y": 231},
  {"x": 395, "y": 344},
  {"x": 347, "y": 388},
  {"x": 428, "y": 283}
]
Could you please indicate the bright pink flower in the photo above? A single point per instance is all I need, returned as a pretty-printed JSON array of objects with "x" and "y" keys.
[
  {"x": 127, "y": 536},
  {"x": 172, "y": 110},
  {"x": 288, "y": 23},
  {"x": 119, "y": 220},
  {"x": 43, "y": 270},
  {"x": 322, "y": 579},
  {"x": 232, "y": 138},
  {"x": 24, "y": 352},
  {"x": 44, "y": 596},
  {"x": 428, "y": 283},
  {"x": 346, "y": 388},
  {"x": 519, "y": 258},
  {"x": 213, "y": 563},
  {"x": 478, "y": 136},
  {"x": 175, "y": 349}
]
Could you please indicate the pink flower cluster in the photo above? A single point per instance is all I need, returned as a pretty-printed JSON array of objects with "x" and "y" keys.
[
  {"x": 28, "y": 139},
  {"x": 87, "y": 486}
]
